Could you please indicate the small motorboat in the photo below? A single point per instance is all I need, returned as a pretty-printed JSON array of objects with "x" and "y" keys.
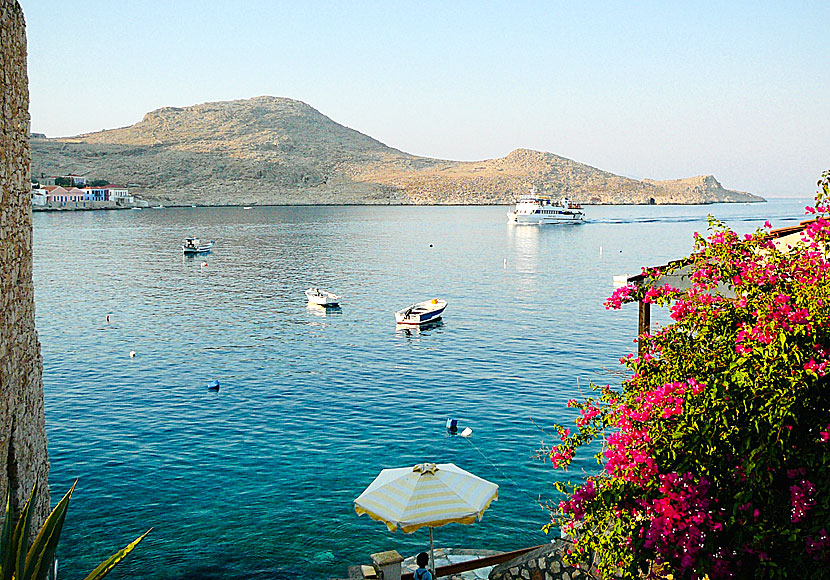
[
  {"x": 322, "y": 297},
  {"x": 193, "y": 246},
  {"x": 422, "y": 312}
]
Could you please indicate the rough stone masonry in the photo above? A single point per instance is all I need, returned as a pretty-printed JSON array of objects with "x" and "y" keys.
[{"x": 22, "y": 422}]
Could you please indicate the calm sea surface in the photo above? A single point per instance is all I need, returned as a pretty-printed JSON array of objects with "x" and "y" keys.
[{"x": 257, "y": 480}]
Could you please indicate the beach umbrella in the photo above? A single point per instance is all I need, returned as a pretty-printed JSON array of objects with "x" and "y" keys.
[{"x": 427, "y": 495}]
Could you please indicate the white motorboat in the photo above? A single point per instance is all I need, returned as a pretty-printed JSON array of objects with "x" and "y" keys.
[
  {"x": 195, "y": 246},
  {"x": 322, "y": 297},
  {"x": 422, "y": 312},
  {"x": 533, "y": 209}
]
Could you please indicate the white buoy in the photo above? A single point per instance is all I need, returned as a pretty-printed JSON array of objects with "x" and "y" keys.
[
  {"x": 600, "y": 250},
  {"x": 466, "y": 432},
  {"x": 132, "y": 354},
  {"x": 505, "y": 262}
]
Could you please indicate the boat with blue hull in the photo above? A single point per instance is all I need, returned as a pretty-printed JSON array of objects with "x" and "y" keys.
[{"x": 421, "y": 312}]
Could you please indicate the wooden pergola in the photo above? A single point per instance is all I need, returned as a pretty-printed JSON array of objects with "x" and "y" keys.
[{"x": 784, "y": 239}]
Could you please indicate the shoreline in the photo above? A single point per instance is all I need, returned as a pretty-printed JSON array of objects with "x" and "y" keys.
[{"x": 347, "y": 204}]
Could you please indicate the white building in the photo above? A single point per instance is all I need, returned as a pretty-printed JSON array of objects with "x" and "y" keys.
[
  {"x": 76, "y": 179},
  {"x": 119, "y": 195},
  {"x": 39, "y": 196}
]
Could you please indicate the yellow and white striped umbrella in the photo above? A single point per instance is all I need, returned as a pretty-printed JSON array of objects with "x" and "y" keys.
[{"x": 427, "y": 495}]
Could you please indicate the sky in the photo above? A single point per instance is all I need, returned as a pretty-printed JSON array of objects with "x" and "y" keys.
[{"x": 662, "y": 90}]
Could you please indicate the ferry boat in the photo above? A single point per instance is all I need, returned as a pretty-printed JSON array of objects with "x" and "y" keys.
[
  {"x": 322, "y": 297},
  {"x": 532, "y": 209},
  {"x": 191, "y": 246},
  {"x": 422, "y": 312}
]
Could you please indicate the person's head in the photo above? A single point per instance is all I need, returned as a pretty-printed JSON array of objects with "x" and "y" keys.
[{"x": 422, "y": 559}]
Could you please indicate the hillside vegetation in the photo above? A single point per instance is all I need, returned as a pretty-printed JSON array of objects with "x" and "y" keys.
[{"x": 270, "y": 150}]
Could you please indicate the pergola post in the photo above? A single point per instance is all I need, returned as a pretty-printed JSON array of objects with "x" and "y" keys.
[{"x": 644, "y": 323}]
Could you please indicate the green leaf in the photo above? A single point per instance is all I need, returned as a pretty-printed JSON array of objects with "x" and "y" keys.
[
  {"x": 104, "y": 567},
  {"x": 21, "y": 535},
  {"x": 40, "y": 556},
  {"x": 6, "y": 545}
]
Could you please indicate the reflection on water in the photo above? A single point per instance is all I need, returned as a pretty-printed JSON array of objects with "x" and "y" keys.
[
  {"x": 414, "y": 330},
  {"x": 525, "y": 245},
  {"x": 320, "y": 310}
]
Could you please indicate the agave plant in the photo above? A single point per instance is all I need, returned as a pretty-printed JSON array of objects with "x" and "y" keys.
[{"x": 18, "y": 563}]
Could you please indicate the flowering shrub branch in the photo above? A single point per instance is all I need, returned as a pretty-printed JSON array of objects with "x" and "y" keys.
[{"x": 716, "y": 450}]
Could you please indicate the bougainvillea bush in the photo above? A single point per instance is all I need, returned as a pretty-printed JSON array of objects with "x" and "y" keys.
[{"x": 716, "y": 449}]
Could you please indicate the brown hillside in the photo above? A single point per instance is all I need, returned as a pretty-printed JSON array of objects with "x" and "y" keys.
[{"x": 271, "y": 150}]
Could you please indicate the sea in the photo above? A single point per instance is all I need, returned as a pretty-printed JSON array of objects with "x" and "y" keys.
[{"x": 257, "y": 479}]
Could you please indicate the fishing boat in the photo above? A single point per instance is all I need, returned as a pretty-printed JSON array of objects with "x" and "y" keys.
[
  {"x": 194, "y": 246},
  {"x": 422, "y": 312},
  {"x": 322, "y": 297},
  {"x": 532, "y": 209}
]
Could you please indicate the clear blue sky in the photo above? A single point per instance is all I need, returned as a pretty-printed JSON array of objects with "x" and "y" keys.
[{"x": 650, "y": 89}]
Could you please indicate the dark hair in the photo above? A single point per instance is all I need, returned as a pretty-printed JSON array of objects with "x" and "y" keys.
[{"x": 422, "y": 559}]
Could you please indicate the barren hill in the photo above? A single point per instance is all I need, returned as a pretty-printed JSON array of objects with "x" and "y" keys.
[{"x": 270, "y": 150}]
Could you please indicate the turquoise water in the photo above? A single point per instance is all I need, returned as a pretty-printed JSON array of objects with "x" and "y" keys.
[{"x": 257, "y": 480}]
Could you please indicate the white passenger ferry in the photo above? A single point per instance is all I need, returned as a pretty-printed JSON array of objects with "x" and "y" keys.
[{"x": 532, "y": 209}]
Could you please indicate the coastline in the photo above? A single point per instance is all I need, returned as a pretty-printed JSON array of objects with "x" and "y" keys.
[{"x": 36, "y": 208}]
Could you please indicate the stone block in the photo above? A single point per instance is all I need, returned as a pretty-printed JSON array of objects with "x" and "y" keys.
[{"x": 389, "y": 564}]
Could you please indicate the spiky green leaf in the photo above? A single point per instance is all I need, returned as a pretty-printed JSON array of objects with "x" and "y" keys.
[
  {"x": 40, "y": 556},
  {"x": 6, "y": 545},
  {"x": 104, "y": 567},
  {"x": 21, "y": 534}
]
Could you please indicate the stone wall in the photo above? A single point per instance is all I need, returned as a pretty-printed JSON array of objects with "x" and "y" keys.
[
  {"x": 22, "y": 424},
  {"x": 544, "y": 563}
]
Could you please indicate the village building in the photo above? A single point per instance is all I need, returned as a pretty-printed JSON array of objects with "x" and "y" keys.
[
  {"x": 76, "y": 179},
  {"x": 95, "y": 194},
  {"x": 56, "y": 196},
  {"x": 120, "y": 195},
  {"x": 39, "y": 197}
]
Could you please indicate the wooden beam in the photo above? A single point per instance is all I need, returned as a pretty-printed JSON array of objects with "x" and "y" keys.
[
  {"x": 644, "y": 323},
  {"x": 453, "y": 569}
]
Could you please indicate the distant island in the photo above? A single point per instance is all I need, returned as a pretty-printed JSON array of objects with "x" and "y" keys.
[{"x": 271, "y": 151}]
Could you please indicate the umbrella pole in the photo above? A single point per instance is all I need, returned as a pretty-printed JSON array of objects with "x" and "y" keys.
[{"x": 431, "y": 554}]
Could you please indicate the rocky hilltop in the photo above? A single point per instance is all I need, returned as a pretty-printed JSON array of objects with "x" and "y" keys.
[{"x": 270, "y": 150}]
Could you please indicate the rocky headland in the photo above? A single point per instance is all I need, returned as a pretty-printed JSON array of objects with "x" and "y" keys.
[{"x": 270, "y": 150}]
